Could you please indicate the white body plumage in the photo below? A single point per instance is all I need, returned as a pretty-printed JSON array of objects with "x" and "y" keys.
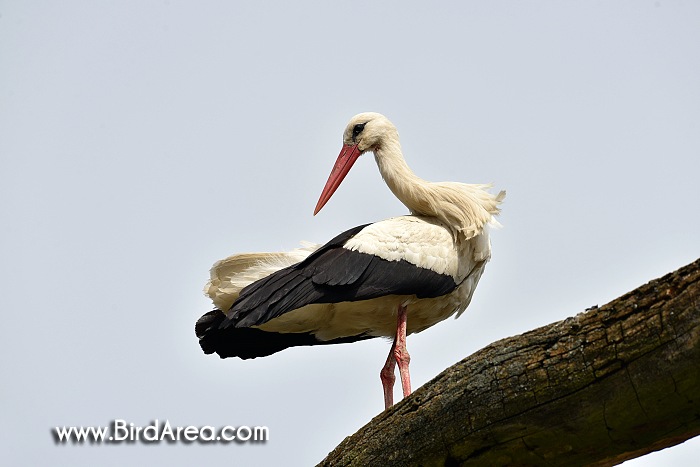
[{"x": 421, "y": 241}]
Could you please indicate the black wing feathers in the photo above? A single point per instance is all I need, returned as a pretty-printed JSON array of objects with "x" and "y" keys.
[
  {"x": 337, "y": 268},
  {"x": 260, "y": 293},
  {"x": 248, "y": 343},
  {"x": 332, "y": 274}
]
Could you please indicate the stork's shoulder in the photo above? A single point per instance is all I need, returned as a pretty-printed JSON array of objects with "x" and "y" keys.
[
  {"x": 423, "y": 241},
  {"x": 407, "y": 230}
]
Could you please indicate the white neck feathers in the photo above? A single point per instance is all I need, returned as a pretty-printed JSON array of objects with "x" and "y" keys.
[{"x": 465, "y": 208}]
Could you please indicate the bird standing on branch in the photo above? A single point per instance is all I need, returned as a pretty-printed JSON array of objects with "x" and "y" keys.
[{"x": 387, "y": 279}]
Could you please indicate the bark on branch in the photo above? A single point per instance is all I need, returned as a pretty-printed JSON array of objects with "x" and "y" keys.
[{"x": 607, "y": 385}]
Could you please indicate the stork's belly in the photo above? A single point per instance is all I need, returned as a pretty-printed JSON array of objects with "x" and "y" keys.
[{"x": 375, "y": 317}]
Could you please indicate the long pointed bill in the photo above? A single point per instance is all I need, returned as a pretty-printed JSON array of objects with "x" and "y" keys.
[{"x": 347, "y": 157}]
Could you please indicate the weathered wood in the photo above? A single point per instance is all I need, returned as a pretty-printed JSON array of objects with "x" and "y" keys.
[{"x": 607, "y": 385}]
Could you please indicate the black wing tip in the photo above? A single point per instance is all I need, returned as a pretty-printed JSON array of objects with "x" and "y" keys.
[
  {"x": 206, "y": 330},
  {"x": 217, "y": 335},
  {"x": 247, "y": 343},
  {"x": 208, "y": 321}
]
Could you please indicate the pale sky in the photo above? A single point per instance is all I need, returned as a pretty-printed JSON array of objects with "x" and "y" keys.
[{"x": 141, "y": 141}]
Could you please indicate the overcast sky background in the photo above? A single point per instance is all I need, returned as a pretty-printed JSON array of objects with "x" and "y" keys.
[{"x": 142, "y": 141}]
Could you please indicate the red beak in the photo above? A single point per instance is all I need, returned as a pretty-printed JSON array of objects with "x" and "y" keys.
[{"x": 347, "y": 157}]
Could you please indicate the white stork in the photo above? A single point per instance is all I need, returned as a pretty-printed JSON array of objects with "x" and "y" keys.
[{"x": 387, "y": 279}]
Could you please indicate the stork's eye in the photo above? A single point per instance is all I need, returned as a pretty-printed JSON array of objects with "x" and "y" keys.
[{"x": 357, "y": 130}]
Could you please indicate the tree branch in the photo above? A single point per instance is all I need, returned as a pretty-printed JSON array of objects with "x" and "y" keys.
[{"x": 607, "y": 385}]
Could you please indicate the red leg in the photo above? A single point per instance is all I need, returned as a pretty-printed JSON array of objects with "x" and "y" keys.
[
  {"x": 397, "y": 354},
  {"x": 388, "y": 378},
  {"x": 400, "y": 352}
]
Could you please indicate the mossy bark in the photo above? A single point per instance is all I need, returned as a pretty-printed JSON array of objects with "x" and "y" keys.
[{"x": 607, "y": 385}]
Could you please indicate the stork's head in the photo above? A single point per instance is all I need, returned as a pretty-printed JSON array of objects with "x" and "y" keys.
[{"x": 365, "y": 132}]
